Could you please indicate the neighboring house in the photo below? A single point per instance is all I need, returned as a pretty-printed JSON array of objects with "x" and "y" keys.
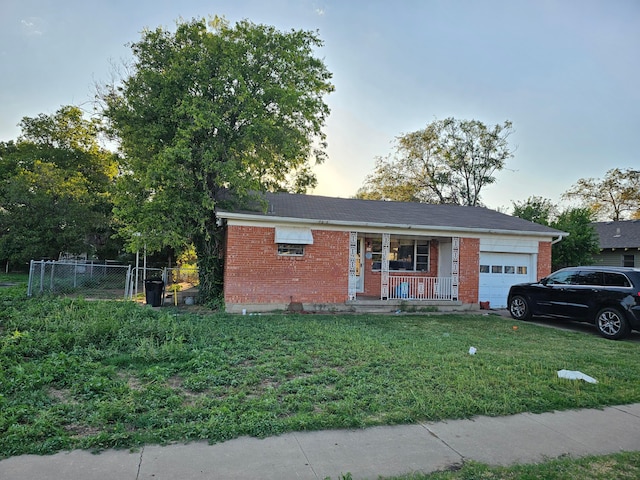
[
  {"x": 619, "y": 243},
  {"x": 327, "y": 253}
]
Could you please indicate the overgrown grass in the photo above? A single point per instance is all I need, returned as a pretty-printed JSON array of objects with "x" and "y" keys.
[
  {"x": 606, "y": 467},
  {"x": 81, "y": 374}
]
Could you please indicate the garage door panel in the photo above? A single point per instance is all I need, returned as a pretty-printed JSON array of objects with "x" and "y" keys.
[{"x": 498, "y": 271}]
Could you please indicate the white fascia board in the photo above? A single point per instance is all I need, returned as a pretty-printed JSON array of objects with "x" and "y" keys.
[{"x": 370, "y": 227}]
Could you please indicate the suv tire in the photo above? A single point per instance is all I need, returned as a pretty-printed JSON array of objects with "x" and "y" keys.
[
  {"x": 519, "y": 308},
  {"x": 611, "y": 324}
]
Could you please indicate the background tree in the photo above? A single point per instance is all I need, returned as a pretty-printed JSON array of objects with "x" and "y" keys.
[
  {"x": 581, "y": 244},
  {"x": 616, "y": 197},
  {"x": 54, "y": 192},
  {"x": 207, "y": 111},
  {"x": 449, "y": 161},
  {"x": 536, "y": 209}
]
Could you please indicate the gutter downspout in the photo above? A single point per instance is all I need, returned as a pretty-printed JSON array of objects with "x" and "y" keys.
[{"x": 559, "y": 239}]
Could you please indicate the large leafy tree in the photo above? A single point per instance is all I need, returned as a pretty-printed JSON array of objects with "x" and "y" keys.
[
  {"x": 54, "y": 192},
  {"x": 208, "y": 111},
  {"x": 449, "y": 161},
  {"x": 582, "y": 243},
  {"x": 615, "y": 197}
]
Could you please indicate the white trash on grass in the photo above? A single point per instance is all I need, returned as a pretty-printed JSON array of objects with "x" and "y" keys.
[
  {"x": 472, "y": 351},
  {"x": 575, "y": 375}
]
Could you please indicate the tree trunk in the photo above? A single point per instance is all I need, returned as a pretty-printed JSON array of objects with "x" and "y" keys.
[{"x": 210, "y": 265}]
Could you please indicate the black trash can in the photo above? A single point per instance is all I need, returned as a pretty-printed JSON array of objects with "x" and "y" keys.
[{"x": 153, "y": 291}]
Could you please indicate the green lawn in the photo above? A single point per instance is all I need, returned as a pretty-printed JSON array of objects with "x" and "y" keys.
[{"x": 99, "y": 374}]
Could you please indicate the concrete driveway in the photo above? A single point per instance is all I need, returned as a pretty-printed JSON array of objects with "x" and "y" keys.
[{"x": 569, "y": 325}]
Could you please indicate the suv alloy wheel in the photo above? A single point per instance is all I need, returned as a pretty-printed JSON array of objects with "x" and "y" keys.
[{"x": 611, "y": 324}]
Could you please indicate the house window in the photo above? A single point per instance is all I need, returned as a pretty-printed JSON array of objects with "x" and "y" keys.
[
  {"x": 522, "y": 270},
  {"x": 422, "y": 256},
  {"x": 404, "y": 255},
  {"x": 484, "y": 268},
  {"x": 291, "y": 240},
  {"x": 290, "y": 249},
  {"x": 496, "y": 268},
  {"x": 628, "y": 260}
]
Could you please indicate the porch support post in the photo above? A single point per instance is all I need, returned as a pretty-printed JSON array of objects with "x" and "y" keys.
[
  {"x": 455, "y": 267},
  {"x": 384, "y": 268},
  {"x": 353, "y": 258}
]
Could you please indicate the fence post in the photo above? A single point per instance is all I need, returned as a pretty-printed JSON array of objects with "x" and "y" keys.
[
  {"x": 41, "y": 276},
  {"x": 30, "y": 278},
  {"x": 127, "y": 284},
  {"x": 51, "y": 277}
]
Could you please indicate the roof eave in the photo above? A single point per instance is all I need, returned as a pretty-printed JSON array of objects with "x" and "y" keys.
[{"x": 376, "y": 225}]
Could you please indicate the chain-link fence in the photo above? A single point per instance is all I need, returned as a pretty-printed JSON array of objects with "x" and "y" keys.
[
  {"x": 87, "y": 279},
  {"x": 179, "y": 285}
]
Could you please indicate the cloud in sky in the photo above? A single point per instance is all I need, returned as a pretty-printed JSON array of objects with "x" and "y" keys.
[{"x": 32, "y": 26}]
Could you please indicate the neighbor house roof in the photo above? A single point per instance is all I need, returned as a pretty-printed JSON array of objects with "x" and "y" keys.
[
  {"x": 356, "y": 212},
  {"x": 621, "y": 234}
]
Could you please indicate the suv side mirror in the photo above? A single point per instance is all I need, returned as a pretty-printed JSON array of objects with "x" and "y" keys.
[{"x": 543, "y": 281}]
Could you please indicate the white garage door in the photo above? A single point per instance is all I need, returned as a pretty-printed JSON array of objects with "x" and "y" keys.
[{"x": 498, "y": 271}]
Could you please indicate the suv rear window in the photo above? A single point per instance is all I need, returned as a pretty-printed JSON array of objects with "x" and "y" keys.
[
  {"x": 616, "y": 280},
  {"x": 589, "y": 278}
]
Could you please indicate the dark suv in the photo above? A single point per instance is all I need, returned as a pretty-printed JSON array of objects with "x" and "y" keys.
[{"x": 609, "y": 297}]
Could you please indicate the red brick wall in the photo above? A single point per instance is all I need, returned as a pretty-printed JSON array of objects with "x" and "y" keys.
[
  {"x": 544, "y": 259},
  {"x": 255, "y": 273},
  {"x": 469, "y": 270}
]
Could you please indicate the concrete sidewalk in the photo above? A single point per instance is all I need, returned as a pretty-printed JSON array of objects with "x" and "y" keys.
[{"x": 366, "y": 453}]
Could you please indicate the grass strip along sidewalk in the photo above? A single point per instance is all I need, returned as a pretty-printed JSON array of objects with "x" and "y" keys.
[
  {"x": 619, "y": 466},
  {"x": 81, "y": 374}
]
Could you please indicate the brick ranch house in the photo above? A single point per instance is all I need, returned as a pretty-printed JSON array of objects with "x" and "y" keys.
[{"x": 336, "y": 254}]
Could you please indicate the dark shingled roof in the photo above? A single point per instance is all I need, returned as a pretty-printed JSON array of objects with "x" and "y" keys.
[
  {"x": 623, "y": 234},
  {"x": 358, "y": 212}
]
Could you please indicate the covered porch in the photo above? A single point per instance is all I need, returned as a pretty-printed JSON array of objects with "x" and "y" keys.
[{"x": 386, "y": 267}]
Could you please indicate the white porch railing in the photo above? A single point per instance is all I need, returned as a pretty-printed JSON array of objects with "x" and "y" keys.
[{"x": 403, "y": 287}]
